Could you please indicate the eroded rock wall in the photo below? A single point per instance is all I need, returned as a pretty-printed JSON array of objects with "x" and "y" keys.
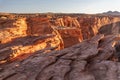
[
  {"x": 30, "y": 49},
  {"x": 90, "y": 25},
  {"x": 40, "y": 27},
  {"x": 70, "y": 36},
  {"x": 18, "y": 38},
  {"x": 25, "y": 36},
  {"x": 67, "y": 21},
  {"x": 11, "y": 28}
]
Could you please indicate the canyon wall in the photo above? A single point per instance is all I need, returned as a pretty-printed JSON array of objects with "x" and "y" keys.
[
  {"x": 22, "y": 37},
  {"x": 10, "y": 29},
  {"x": 67, "y": 21},
  {"x": 78, "y": 28},
  {"x": 34, "y": 47},
  {"x": 90, "y": 25},
  {"x": 70, "y": 36},
  {"x": 93, "y": 25}
]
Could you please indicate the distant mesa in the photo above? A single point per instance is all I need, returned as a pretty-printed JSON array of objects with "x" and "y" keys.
[{"x": 112, "y": 13}]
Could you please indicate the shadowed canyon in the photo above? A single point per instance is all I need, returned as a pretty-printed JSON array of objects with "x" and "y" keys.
[{"x": 59, "y": 47}]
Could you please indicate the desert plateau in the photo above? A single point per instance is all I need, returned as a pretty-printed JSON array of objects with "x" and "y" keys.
[{"x": 59, "y": 46}]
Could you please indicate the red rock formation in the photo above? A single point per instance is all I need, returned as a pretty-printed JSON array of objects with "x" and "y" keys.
[
  {"x": 69, "y": 30},
  {"x": 41, "y": 26},
  {"x": 90, "y": 26},
  {"x": 70, "y": 36},
  {"x": 29, "y": 48},
  {"x": 79, "y": 62},
  {"x": 67, "y": 21},
  {"x": 21, "y": 39},
  {"x": 10, "y": 29},
  {"x": 19, "y": 31}
]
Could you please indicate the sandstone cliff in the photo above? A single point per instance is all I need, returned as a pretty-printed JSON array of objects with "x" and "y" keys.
[
  {"x": 90, "y": 25},
  {"x": 20, "y": 39},
  {"x": 67, "y": 21},
  {"x": 26, "y": 36},
  {"x": 33, "y": 48},
  {"x": 70, "y": 36},
  {"x": 10, "y": 29}
]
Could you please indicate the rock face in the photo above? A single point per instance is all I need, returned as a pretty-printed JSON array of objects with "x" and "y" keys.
[
  {"x": 95, "y": 25},
  {"x": 67, "y": 21},
  {"x": 70, "y": 36},
  {"x": 89, "y": 60},
  {"x": 84, "y": 27},
  {"x": 20, "y": 39},
  {"x": 10, "y": 29},
  {"x": 26, "y": 36},
  {"x": 33, "y": 48},
  {"x": 90, "y": 25},
  {"x": 69, "y": 29},
  {"x": 41, "y": 27}
]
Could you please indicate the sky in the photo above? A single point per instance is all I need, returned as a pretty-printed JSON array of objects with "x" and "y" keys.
[{"x": 59, "y": 6}]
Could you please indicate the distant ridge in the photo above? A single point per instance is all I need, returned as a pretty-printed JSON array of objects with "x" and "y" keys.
[{"x": 117, "y": 13}]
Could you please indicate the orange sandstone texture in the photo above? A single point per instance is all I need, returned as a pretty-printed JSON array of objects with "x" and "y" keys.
[
  {"x": 10, "y": 29},
  {"x": 67, "y": 22},
  {"x": 70, "y": 36},
  {"x": 22, "y": 39},
  {"x": 32, "y": 47},
  {"x": 89, "y": 25}
]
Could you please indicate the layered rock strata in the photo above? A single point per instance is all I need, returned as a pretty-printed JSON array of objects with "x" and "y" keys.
[{"x": 93, "y": 59}]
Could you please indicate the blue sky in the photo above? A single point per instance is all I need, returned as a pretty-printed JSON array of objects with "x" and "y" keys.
[{"x": 64, "y": 6}]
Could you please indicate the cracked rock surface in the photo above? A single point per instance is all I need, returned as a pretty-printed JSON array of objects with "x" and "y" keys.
[{"x": 93, "y": 59}]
